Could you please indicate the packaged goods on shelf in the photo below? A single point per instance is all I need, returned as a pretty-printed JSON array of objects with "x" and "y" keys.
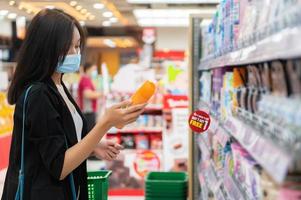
[
  {"x": 249, "y": 78},
  {"x": 258, "y": 106},
  {"x": 205, "y": 86},
  {"x": 142, "y": 141},
  {"x": 139, "y": 140},
  {"x": 128, "y": 141},
  {"x": 146, "y": 122},
  {"x": 238, "y": 23}
]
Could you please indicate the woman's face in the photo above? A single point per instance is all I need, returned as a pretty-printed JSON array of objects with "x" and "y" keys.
[{"x": 75, "y": 45}]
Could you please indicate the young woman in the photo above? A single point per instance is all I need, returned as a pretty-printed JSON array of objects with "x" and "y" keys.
[
  {"x": 87, "y": 95},
  {"x": 56, "y": 141}
]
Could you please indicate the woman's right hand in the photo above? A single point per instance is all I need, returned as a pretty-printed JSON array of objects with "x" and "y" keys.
[{"x": 123, "y": 113}]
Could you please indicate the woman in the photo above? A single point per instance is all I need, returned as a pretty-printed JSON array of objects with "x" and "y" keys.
[
  {"x": 56, "y": 142},
  {"x": 87, "y": 95}
]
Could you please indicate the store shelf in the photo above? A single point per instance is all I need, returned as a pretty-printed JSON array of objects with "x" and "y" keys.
[
  {"x": 232, "y": 189},
  {"x": 137, "y": 131},
  {"x": 272, "y": 157},
  {"x": 219, "y": 195},
  {"x": 204, "y": 148},
  {"x": 153, "y": 111},
  {"x": 282, "y": 45},
  {"x": 261, "y": 144}
]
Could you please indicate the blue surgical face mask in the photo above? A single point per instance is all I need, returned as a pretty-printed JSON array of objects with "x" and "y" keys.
[{"x": 71, "y": 64}]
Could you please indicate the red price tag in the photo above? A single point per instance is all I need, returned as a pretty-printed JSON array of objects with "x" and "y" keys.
[{"x": 199, "y": 121}]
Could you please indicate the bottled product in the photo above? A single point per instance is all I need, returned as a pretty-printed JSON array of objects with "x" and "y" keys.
[{"x": 144, "y": 93}]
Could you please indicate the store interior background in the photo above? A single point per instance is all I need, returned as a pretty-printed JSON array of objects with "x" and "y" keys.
[
  {"x": 238, "y": 60},
  {"x": 120, "y": 32}
]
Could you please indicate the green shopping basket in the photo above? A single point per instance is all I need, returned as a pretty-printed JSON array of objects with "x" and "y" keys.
[
  {"x": 98, "y": 185},
  {"x": 166, "y": 185}
]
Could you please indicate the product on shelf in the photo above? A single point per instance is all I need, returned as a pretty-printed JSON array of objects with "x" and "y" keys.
[
  {"x": 147, "y": 123},
  {"x": 227, "y": 95},
  {"x": 142, "y": 141},
  {"x": 156, "y": 141},
  {"x": 246, "y": 171},
  {"x": 114, "y": 137},
  {"x": 205, "y": 86},
  {"x": 293, "y": 71},
  {"x": 128, "y": 141},
  {"x": 270, "y": 190},
  {"x": 217, "y": 83},
  {"x": 138, "y": 140},
  {"x": 239, "y": 82}
]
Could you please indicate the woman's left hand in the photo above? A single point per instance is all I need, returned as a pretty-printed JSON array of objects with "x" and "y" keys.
[{"x": 107, "y": 150}]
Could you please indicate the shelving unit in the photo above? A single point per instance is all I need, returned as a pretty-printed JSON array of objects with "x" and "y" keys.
[
  {"x": 137, "y": 131},
  {"x": 271, "y": 147},
  {"x": 278, "y": 46}
]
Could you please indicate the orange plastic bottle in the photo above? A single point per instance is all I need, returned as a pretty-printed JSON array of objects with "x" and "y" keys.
[{"x": 144, "y": 93}]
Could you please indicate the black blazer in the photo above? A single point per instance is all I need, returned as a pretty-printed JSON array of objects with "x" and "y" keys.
[{"x": 48, "y": 121}]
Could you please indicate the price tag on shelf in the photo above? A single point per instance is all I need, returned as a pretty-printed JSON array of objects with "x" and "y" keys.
[{"x": 199, "y": 121}]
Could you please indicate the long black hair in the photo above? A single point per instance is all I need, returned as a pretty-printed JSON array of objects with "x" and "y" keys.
[{"x": 47, "y": 42}]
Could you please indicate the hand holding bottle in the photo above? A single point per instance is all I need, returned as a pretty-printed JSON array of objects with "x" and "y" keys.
[{"x": 123, "y": 113}]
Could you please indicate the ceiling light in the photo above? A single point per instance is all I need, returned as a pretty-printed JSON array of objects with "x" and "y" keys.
[
  {"x": 107, "y": 14},
  {"x": 171, "y": 13},
  {"x": 88, "y": 14},
  {"x": 168, "y": 22},
  {"x": 73, "y": 3},
  {"x": 173, "y": 1},
  {"x": 11, "y": 3},
  {"x": 106, "y": 23},
  {"x": 91, "y": 17},
  {"x": 82, "y": 23},
  {"x": 113, "y": 20},
  {"x": 83, "y": 11},
  {"x": 49, "y": 7},
  {"x": 20, "y": 7},
  {"x": 3, "y": 12},
  {"x": 12, "y": 16},
  {"x": 78, "y": 7},
  {"x": 98, "y": 6},
  {"x": 109, "y": 43}
]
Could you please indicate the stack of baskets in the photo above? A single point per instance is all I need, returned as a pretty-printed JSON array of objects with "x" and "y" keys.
[{"x": 166, "y": 186}]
